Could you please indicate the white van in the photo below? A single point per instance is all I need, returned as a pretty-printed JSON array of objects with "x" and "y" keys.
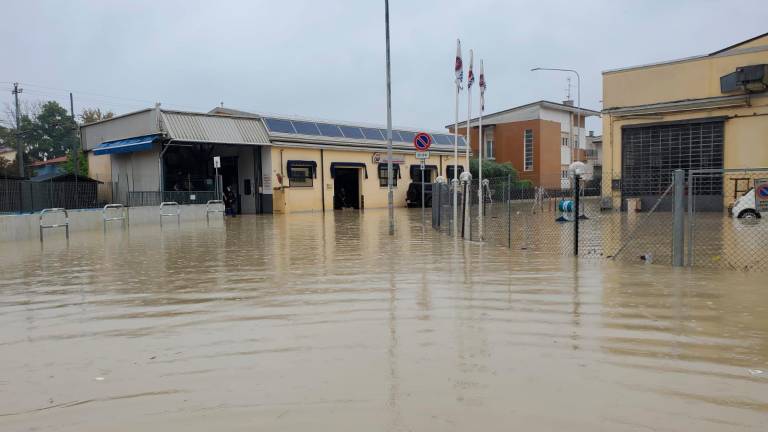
[{"x": 745, "y": 208}]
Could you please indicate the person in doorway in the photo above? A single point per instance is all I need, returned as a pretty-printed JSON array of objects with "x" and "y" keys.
[{"x": 230, "y": 202}]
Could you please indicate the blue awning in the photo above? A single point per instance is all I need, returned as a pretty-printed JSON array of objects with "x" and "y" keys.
[{"x": 129, "y": 145}]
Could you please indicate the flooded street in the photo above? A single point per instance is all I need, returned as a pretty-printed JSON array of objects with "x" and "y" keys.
[{"x": 324, "y": 322}]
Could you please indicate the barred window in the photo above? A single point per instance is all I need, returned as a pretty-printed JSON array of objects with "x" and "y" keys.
[{"x": 383, "y": 174}]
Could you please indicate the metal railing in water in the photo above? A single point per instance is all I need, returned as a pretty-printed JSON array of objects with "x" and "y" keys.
[
  {"x": 177, "y": 214},
  {"x": 123, "y": 215},
  {"x": 64, "y": 225},
  {"x": 209, "y": 210}
]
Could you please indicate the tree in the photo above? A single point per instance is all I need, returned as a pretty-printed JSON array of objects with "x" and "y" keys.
[
  {"x": 47, "y": 130},
  {"x": 91, "y": 115},
  {"x": 492, "y": 169},
  {"x": 82, "y": 160},
  {"x": 53, "y": 133}
]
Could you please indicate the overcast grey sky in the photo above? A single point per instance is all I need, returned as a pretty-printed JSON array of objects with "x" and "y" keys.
[{"x": 325, "y": 59}]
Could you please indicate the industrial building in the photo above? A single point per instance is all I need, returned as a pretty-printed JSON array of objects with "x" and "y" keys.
[
  {"x": 272, "y": 163},
  {"x": 539, "y": 139},
  {"x": 703, "y": 112}
]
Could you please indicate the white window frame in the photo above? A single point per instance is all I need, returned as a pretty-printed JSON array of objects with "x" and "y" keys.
[
  {"x": 526, "y": 167},
  {"x": 490, "y": 155}
]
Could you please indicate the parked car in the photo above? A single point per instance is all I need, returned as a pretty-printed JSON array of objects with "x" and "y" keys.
[
  {"x": 745, "y": 207},
  {"x": 413, "y": 196}
]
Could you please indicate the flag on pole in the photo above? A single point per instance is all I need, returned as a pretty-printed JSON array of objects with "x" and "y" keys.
[
  {"x": 459, "y": 67},
  {"x": 481, "y": 84},
  {"x": 470, "y": 74}
]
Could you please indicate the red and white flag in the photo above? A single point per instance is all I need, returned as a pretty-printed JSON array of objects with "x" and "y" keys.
[
  {"x": 470, "y": 73},
  {"x": 459, "y": 67},
  {"x": 481, "y": 84}
]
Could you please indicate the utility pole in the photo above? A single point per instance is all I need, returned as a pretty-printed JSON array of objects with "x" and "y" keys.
[
  {"x": 75, "y": 147},
  {"x": 19, "y": 146}
]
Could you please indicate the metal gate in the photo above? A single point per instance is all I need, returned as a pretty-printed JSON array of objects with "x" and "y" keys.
[{"x": 650, "y": 153}]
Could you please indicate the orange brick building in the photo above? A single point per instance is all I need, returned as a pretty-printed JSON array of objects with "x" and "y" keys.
[{"x": 539, "y": 139}]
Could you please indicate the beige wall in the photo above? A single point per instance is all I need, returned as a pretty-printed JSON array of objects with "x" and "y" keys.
[
  {"x": 746, "y": 125},
  {"x": 100, "y": 167},
  {"x": 692, "y": 79},
  {"x": 288, "y": 199},
  {"x": 745, "y": 141}
]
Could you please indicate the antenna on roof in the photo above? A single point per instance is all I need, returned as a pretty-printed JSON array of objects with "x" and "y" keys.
[
  {"x": 568, "y": 89},
  {"x": 222, "y": 104}
]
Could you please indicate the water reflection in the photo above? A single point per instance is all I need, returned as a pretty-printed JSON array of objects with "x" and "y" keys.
[{"x": 314, "y": 321}]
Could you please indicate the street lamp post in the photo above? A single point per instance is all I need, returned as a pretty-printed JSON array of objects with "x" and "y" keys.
[
  {"x": 578, "y": 105},
  {"x": 390, "y": 193}
]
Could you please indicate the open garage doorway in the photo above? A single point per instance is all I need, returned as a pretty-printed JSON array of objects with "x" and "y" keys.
[{"x": 346, "y": 188}]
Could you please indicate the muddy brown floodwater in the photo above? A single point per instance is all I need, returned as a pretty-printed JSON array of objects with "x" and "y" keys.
[{"x": 312, "y": 322}]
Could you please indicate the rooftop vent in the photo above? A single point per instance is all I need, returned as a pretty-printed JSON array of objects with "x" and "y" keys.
[{"x": 753, "y": 78}]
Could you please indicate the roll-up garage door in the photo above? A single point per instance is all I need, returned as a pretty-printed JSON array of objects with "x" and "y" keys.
[{"x": 650, "y": 153}]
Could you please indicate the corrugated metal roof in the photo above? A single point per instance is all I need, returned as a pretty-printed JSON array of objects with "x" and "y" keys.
[{"x": 220, "y": 129}]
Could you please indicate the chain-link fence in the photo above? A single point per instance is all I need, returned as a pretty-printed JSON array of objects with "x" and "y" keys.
[
  {"x": 727, "y": 219},
  {"x": 546, "y": 220},
  {"x": 715, "y": 219}
]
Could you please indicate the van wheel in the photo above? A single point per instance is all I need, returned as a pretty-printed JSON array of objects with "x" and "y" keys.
[{"x": 749, "y": 214}]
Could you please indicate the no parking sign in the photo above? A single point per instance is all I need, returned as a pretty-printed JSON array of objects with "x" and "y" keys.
[{"x": 761, "y": 195}]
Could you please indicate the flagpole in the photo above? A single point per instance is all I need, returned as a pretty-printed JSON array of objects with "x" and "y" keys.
[
  {"x": 390, "y": 193},
  {"x": 467, "y": 201},
  {"x": 480, "y": 145},
  {"x": 459, "y": 70},
  {"x": 455, "y": 180}
]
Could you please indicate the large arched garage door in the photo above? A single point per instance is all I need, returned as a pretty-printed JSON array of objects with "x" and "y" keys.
[{"x": 650, "y": 153}]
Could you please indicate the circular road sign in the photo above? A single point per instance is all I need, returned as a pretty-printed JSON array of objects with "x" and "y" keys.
[
  {"x": 422, "y": 141},
  {"x": 762, "y": 191}
]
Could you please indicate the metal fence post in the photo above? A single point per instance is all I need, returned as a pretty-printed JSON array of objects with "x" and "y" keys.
[
  {"x": 577, "y": 193},
  {"x": 691, "y": 216},
  {"x": 509, "y": 211},
  {"x": 678, "y": 217}
]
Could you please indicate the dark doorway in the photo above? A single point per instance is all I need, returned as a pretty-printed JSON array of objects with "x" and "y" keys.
[
  {"x": 229, "y": 177},
  {"x": 346, "y": 188},
  {"x": 429, "y": 173}
]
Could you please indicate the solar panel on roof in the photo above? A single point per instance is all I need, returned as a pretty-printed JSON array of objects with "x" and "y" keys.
[
  {"x": 407, "y": 136},
  {"x": 395, "y": 135},
  {"x": 278, "y": 125},
  {"x": 329, "y": 130},
  {"x": 351, "y": 132},
  {"x": 443, "y": 139},
  {"x": 372, "y": 134},
  {"x": 306, "y": 128}
]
